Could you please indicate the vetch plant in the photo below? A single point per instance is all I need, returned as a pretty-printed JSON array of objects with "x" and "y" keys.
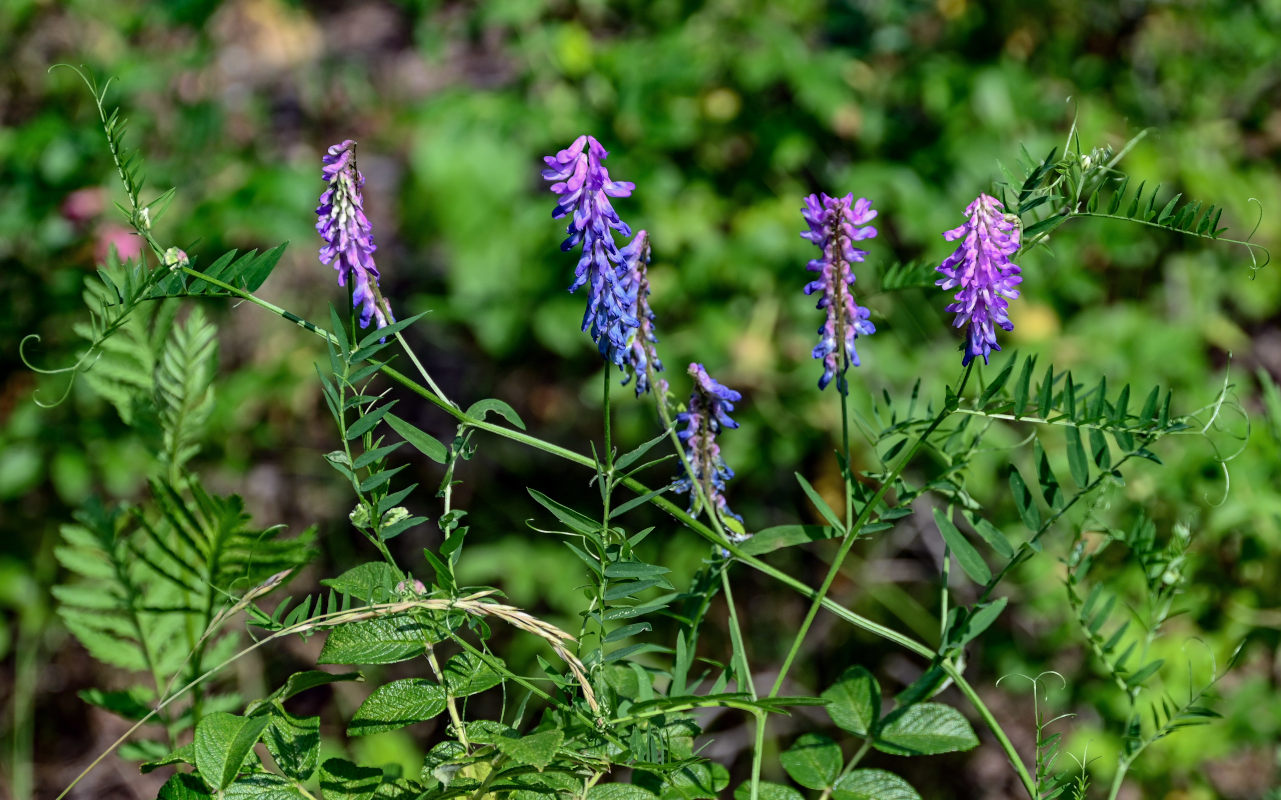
[{"x": 612, "y": 710}]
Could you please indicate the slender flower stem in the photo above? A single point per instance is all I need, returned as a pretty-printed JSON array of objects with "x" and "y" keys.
[{"x": 851, "y": 535}]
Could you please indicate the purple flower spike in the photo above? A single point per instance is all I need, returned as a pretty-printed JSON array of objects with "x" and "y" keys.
[
  {"x": 981, "y": 267},
  {"x": 709, "y": 407},
  {"x": 641, "y": 352},
  {"x": 835, "y": 226},
  {"x": 349, "y": 239},
  {"x": 579, "y": 177}
]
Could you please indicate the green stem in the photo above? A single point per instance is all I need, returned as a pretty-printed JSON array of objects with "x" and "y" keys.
[{"x": 851, "y": 534}]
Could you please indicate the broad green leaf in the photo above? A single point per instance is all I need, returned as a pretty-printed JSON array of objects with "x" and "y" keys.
[
  {"x": 298, "y": 683},
  {"x": 397, "y": 704},
  {"x": 223, "y": 742},
  {"x": 619, "y": 791},
  {"x": 294, "y": 742},
  {"x": 342, "y": 780},
  {"x": 184, "y": 786},
  {"x": 767, "y": 791},
  {"x": 535, "y": 749},
  {"x": 873, "y": 784},
  {"x": 423, "y": 443},
  {"x": 813, "y": 761},
  {"x": 781, "y": 536},
  {"x": 925, "y": 729},
  {"x": 968, "y": 557},
  {"x": 465, "y": 675},
  {"x": 854, "y": 701},
  {"x": 373, "y": 582},
  {"x": 262, "y": 786},
  {"x": 381, "y": 640},
  {"x": 481, "y": 408}
]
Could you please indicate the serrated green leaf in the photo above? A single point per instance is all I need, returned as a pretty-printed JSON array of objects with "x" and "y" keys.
[
  {"x": 382, "y": 640},
  {"x": 535, "y": 749},
  {"x": 873, "y": 784},
  {"x": 465, "y": 675},
  {"x": 223, "y": 742},
  {"x": 342, "y": 780},
  {"x": 184, "y": 786},
  {"x": 619, "y": 791},
  {"x": 813, "y": 761},
  {"x": 966, "y": 555},
  {"x": 925, "y": 729},
  {"x": 262, "y": 786},
  {"x": 397, "y": 704},
  {"x": 854, "y": 701},
  {"x": 373, "y": 582},
  {"x": 765, "y": 791},
  {"x": 294, "y": 743}
]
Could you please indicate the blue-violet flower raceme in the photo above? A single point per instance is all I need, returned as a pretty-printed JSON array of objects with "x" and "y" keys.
[
  {"x": 641, "y": 354},
  {"x": 349, "y": 239},
  {"x": 579, "y": 177},
  {"x": 708, "y": 412},
  {"x": 981, "y": 267},
  {"x": 835, "y": 224}
]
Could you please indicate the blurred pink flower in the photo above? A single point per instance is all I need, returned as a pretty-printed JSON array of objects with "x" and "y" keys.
[
  {"x": 84, "y": 204},
  {"x": 128, "y": 245}
]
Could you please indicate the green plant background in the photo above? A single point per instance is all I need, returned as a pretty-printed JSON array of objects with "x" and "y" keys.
[{"x": 725, "y": 114}]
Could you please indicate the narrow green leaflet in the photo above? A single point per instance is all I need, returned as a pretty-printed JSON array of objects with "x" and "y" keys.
[
  {"x": 534, "y": 750},
  {"x": 1077, "y": 463},
  {"x": 854, "y": 701},
  {"x": 300, "y": 682},
  {"x": 873, "y": 784},
  {"x": 925, "y": 729},
  {"x": 481, "y": 408},
  {"x": 427, "y": 445},
  {"x": 397, "y": 704},
  {"x": 223, "y": 742},
  {"x": 968, "y": 557},
  {"x": 382, "y": 640},
  {"x": 780, "y": 536},
  {"x": 819, "y": 502},
  {"x": 813, "y": 761}
]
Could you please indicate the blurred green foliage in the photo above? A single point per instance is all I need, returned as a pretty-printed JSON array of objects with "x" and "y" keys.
[{"x": 724, "y": 114}]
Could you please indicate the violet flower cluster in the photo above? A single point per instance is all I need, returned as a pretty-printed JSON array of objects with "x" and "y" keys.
[
  {"x": 708, "y": 412},
  {"x": 835, "y": 224},
  {"x": 349, "y": 239},
  {"x": 642, "y": 355},
  {"x": 584, "y": 187},
  {"x": 981, "y": 268}
]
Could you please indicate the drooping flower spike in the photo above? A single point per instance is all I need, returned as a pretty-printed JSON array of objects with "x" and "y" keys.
[
  {"x": 981, "y": 268},
  {"x": 835, "y": 224},
  {"x": 641, "y": 352},
  {"x": 584, "y": 187},
  {"x": 349, "y": 239},
  {"x": 708, "y": 413}
]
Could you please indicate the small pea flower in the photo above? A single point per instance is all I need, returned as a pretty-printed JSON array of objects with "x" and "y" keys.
[
  {"x": 981, "y": 268},
  {"x": 584, "y": 188},
  {"x": 349, "y": 238},
  {"x": 835, "y": 224},
  {"x": 708, "y": 413}
]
